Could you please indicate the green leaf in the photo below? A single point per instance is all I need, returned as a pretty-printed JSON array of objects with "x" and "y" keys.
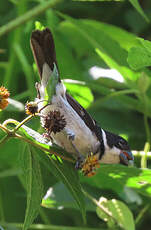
[
  {"x": 136, "y": 5},
  {"x": 108, "y": 49},
  {"x": 26, "y": 67},
  {"x": 79, "y": 91},
  {"x": 33, "y": 184},
  {"x": 98, "y": 0},
  {"x": 9, "y": 152},
  {"x": 69, "y": 66},
  {"x": 143, "y": 83},
  {"x": 39, "y": 26},
  {"x": 140, "y": 56},
  {"x": 116, "y": 177},
  {"x": 10, "y": 172},
  {"x": 65, "y": 172},
  {"x": 34, "y": 136},
  {"x": 55, "y": 200},
  {"x": 119, "y": 211},
  {"x": 52, "y": 81}
]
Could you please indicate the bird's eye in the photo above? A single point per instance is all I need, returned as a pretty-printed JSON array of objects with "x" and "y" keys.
[{"x": 121, "y": 142}]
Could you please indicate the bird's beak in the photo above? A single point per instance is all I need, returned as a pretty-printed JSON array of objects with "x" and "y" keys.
[{"x": 126, "y": 157}]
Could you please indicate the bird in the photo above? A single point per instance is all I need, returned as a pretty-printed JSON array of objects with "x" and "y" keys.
[{"x": 66, "y": 122}]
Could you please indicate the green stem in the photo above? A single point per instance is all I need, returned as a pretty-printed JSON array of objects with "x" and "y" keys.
[
  {"x": 23, "y": 122},
  {"x": 12, "y": 133},
  {"x": 2, "y": 216},
  {"x": 49, "y": 227},
  {"x": 97, "y": 203},
  {"x": 118, "y": 93},
  {"x": 17, "y": 123},
  {"x": 144, "y": 157},
  {"x": 141, "y": 214},
  {"x": 4, "y": 139},
  {"x": 148, "y": 136},
  {"x": 44, "y": 217},
  {"x": 4, "y": 128},
  {"x": 50, "y": 151},
  {"x": 132, "y": 103},
  {"x": 141, "y": 154},
  {"x": 27, "y": 16}
]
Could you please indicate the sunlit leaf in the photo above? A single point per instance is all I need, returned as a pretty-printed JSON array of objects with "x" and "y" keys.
[
  {"x": 113, "y": 55},
  {"x": 119, "y": 212},
  {"x": 116, "y": 177},
  {"x": 140, "y": 56}
]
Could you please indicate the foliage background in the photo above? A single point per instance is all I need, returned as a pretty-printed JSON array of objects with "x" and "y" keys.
[{"x": 87, "y": 33}]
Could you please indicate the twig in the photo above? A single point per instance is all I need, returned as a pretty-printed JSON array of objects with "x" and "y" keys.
[
  {"x": 52, "y": 152},
  {"x": 105, "y": 210},
  {"x": 141, "y": 214},
  {"x": 27, "y": 16},
  {"x": 144, "y": 157},
  {"x": 4, "y": 139},
  {"x": 12, "y": 133},
  {"x": 49, "y": 227},
  {"x": 4, "y": 128}
]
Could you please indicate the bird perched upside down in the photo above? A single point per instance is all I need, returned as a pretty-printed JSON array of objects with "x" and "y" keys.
[{"x": 66, "y": 122}]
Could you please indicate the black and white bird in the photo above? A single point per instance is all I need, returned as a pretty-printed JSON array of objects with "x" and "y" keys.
[{"x": 67, "y": 123}]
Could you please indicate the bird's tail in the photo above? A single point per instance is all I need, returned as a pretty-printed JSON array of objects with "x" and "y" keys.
[{"x": 43, "y": 48}]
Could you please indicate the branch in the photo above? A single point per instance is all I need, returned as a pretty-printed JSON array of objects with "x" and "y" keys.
[{"x": 27, "y": 16}]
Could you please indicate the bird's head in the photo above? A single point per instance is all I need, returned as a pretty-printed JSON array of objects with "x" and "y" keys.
[{"x": 116, "y": 148}]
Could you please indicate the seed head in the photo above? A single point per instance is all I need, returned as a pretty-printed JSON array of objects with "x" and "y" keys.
[
  {"x": 31, "y": 108},
  {"x": 54, "y": 122}
]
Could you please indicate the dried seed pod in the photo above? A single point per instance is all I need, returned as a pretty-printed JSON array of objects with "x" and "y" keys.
[
  {"x": 31, "y": 108},
  {"x": 54, "y": 122}
]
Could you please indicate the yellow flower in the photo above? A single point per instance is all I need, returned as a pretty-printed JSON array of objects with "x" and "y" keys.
[
  {"x": 4, "y": 94},
  {"x": 90, "y": 165}
]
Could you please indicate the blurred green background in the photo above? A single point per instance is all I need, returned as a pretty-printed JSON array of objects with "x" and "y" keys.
[{"x": 92, "y": 38}]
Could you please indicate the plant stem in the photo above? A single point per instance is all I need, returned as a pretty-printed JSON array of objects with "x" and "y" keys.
[
  {"x": 141, "y": 154},
  {"x": 4, "y": 139},
  {"x": 51, "y": 151},
  {"x": 4, "y": 128},
  {"x": 27, "y": 16},
  {"x": 105, "y": 210},
  {"x": 12, "y": 133},
  {"x": 23, "y": 122},
  {"x": 144, "y": 157},
  {"x": 141, "y": 214},
  {"x": 118, "y": 93},
  {"x": 2, "y": 216},
  {"x": 49, "y": 227},
  {"x": 17, "y": 123}
]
